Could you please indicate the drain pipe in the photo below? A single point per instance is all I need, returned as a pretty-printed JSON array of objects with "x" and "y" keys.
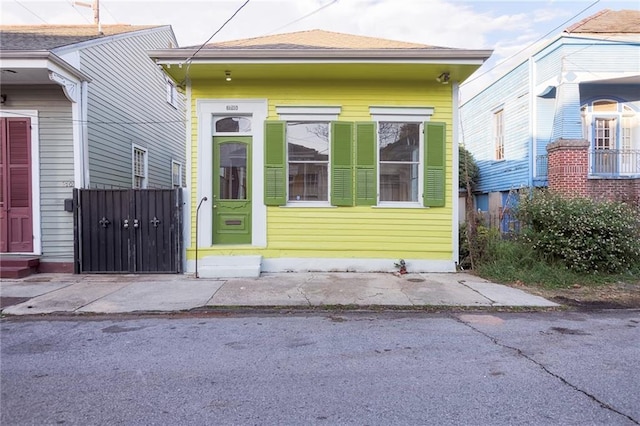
[{"x": 198, "y": 215}]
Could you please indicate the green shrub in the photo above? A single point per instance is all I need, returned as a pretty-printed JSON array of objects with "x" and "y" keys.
[
  {"x": 468, "y": 170},
  {"x": 481, "y": 246},
  {"x": 582, "y": 234}
]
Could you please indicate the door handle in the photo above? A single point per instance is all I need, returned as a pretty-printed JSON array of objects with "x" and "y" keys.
[
  {"x": 135, "y": 223},
  {"x": 126, "y": 224}
]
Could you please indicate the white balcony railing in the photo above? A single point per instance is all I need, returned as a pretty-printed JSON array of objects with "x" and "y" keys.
[{"x": 614, "y": 162}]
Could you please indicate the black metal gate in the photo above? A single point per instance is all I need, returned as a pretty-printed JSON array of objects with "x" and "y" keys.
[{"x": 133, "y": 231}]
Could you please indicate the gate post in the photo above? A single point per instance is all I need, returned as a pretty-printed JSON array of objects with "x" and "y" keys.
[{"x": 76, "y": 231}]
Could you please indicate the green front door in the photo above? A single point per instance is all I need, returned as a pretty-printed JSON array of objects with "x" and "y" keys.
[{"x": 232, "y": 190}]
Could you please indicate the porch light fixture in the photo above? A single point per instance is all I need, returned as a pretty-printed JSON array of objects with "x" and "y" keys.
[
  {"x": 227, "y": 75},
  {"x": 443, "y": 78}
]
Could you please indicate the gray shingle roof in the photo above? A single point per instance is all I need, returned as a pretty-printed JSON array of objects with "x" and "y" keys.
[{"x": 47, "y": 37}]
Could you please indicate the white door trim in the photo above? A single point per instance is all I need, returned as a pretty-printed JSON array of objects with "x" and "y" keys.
[
  {"x": 205, "y": 110},
  {"x": 36, "y": 220}
]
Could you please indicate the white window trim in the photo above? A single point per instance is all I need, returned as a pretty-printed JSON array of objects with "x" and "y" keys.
[
  {"x": 395, "y": 113},
  {"x": 173, "y": 183},
  {"x": 409, "y": 115},
  {"x": 133, "y": 166},
  {"x": 310, "y": 113},
  {"x": 171, "y": 93},
  {"x": 494, "y": 117}
]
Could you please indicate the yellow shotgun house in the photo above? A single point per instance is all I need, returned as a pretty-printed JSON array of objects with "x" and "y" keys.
[{"x": 320, "y": 151}]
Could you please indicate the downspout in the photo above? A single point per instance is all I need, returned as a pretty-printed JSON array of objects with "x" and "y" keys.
[
  {"x": 197, "y": 213},
  {"x": 533, "y": 120},
  {"x": 455, "y": 87},
  {"x": 84, "y": 135}
]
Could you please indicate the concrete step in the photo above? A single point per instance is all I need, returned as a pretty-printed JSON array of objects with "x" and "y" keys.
[
  {"x": 15, "y": 271},
  {"x": 31, "y": 262},
  {"x": 18, "y": 266},
  {"x": 230, "y": 266}
]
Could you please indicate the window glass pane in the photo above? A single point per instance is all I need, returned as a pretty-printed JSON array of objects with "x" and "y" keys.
[
  {"x": 308, "y": 182},
  {"x": 399, "y": 141},
  {"x": 398, "y": 182},
  {"x": 233, "y": 125},
  {"x": 308, "y": 141},
  {"x": 233, "y": 171}
]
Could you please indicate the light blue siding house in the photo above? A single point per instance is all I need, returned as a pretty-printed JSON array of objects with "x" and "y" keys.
[
  {"x": 566, "y": 117},
  {"x": 82, "y": 107}
]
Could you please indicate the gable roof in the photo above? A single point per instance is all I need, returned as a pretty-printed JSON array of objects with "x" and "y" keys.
[
  {"x": 608, "y": 22},
  {"x": 48, "y": 37},
  {"x": 318, "y": 39}
]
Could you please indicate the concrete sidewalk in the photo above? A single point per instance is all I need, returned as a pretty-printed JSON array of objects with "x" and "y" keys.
[{"x": 68, "y": 293}]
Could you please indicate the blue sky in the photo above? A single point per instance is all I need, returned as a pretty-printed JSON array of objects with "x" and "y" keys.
[{"x": 506, "y": 27}]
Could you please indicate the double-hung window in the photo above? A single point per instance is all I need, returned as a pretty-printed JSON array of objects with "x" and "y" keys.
[
  {"x": 396, "y": 160},
  {"x": 140, "y": 167},
  {"x": 399, "y": 158},
  {"x": 308, "y": 160},
  {"x": 498, "y": 134}
]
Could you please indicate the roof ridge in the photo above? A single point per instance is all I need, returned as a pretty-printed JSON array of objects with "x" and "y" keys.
[{"x": 585, "y": 20}]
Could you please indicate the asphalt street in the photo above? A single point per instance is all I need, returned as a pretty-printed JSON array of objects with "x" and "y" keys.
[{"x": 464, "y": 368}]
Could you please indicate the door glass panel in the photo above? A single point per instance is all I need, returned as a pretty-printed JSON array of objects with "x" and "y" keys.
[
  {"x": 233, "y": 125},
  {"x": 233, "y": 171}
]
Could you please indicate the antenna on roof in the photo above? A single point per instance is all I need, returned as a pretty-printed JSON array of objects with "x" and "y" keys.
[{"x": 96, "y": 12}]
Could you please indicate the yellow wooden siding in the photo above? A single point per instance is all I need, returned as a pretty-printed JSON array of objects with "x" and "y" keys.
[{"x": 352, "y": 232}]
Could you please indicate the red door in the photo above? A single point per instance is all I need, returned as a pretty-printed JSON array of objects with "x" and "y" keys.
[{"x": 16, "y": 225}]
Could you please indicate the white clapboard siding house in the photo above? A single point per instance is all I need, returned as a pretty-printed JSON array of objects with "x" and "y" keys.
[{"x": 81, "y": 108}]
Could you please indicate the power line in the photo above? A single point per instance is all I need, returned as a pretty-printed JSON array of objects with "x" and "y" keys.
[
  {"x": 304, "y": 17},
  {"x": 531, "y": 44},
  {"x": 96, "y": 122},
  {"x": 31, "y": 11},
  {"x": 214, "y": 34},
  {"x": 104, "y": 6},
  {"x": 74, "y": 8}
]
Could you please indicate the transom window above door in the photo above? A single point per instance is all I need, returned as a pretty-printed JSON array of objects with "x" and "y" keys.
[{"x": 232, "y": 124}]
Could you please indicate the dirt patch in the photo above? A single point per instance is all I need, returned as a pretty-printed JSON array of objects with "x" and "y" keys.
[{"x": 609, "y": 296}]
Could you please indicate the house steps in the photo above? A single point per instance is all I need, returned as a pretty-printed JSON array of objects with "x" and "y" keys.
[
  {"x": 230, "y": 267},
  {"x": 18, "y": 266}
]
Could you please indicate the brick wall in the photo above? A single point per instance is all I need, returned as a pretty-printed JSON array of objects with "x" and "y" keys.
[
  {"x": 569, "y": 175},
  {"x": 568, "y": 166}
]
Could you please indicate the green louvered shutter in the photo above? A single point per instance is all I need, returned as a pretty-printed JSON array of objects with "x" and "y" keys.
[
  {"x": 341, "y": 163},
  {"x": 275, "y": 182},
  {"x": 434, "y": 162},
  {"x": 366, "y": 185}
]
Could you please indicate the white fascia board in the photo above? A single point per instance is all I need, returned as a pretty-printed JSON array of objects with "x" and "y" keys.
[
  {"x": 45, "y": 61},
  {"x": 181, "y": 62}
]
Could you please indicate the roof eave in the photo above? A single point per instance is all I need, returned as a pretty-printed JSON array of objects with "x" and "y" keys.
[
  {"x": 42, "y": 55},
  {"x": 204, "y": 56}
]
